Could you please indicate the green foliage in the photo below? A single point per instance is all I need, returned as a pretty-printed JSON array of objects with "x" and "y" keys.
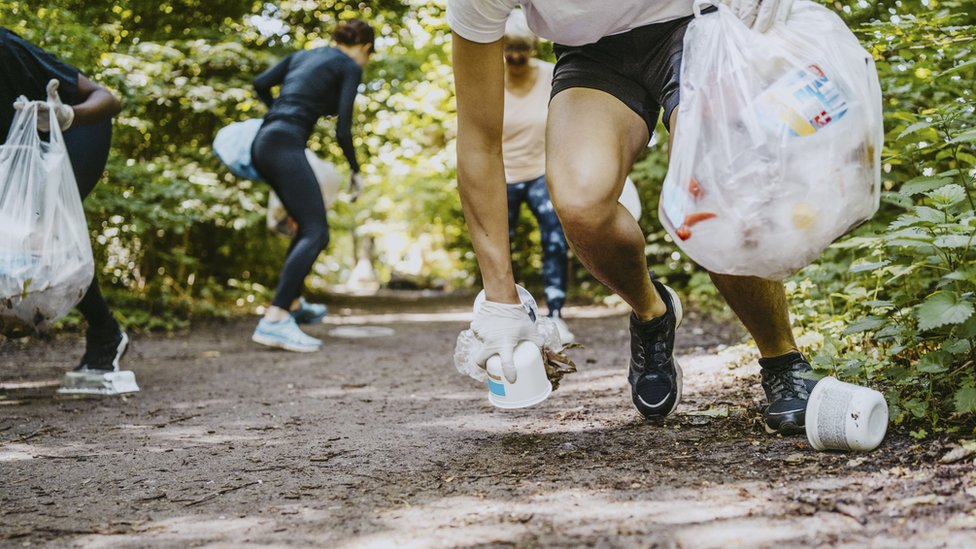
[
  {"x": 893, "y": 304},
  {"x": 175, "y": 234}
]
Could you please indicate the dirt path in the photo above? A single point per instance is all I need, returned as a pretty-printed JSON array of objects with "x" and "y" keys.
[{"x": 379, "y": 442}]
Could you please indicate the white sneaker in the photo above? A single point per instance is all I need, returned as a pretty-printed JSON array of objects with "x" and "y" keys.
[
  {"x": 565, "y": 336},
  {"x": 285, "y": 334}
]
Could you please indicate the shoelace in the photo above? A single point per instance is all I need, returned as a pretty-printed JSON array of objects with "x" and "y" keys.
[
  {"x": 658, "y": 344},
  {"x": 786, "y": 385}
]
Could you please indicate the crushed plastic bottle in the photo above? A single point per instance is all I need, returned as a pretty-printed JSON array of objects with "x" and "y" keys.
[{"x": 464, "y": 351}]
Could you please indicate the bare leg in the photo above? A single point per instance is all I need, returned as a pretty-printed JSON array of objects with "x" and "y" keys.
[
  {"x": 760, "y": 304},
  {"x": 592, "y": 140}
]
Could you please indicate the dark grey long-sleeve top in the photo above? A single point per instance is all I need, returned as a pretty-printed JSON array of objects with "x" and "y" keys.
[{"x": 314, "y": 83}]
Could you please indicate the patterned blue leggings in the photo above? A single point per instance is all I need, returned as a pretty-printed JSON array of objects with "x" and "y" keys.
[{"x": 554, "y": 247}]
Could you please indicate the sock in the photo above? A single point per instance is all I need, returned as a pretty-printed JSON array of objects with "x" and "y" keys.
[{"x": 781, "y": 361}]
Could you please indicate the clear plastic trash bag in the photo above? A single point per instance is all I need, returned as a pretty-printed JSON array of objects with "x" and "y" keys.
[
  {"x": 46, "y": 262},
  {"x": 777, "y": 148},
  {"x": 232, "y": 146}
]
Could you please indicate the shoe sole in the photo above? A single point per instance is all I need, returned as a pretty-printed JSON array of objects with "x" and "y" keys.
[
  {"x": 99, "y": 383},
  {"x": 678, "y": 314},
  {"x": 272, "y": 342},
  {"x": 678, "y": 374},
  {"x": 788, "y": 428},
  {"x": 94, "y": 382},
  {"x": 678, "y": 383}
]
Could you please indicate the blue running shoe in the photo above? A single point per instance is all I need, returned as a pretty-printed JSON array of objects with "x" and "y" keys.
[
  {"x": 285, "y": 334},
  {"x": 309, "y": 313}
]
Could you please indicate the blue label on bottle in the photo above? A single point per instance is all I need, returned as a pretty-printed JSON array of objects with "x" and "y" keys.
[{"x": 496, "y": 388}]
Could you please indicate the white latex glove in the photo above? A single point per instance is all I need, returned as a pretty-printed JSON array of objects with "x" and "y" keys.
[
  {"x": 760, "y": 15},
  {"x": 64, "y": 114},
  {"x": 356, "y": 183},
  {"x": 500, "y": 327}
]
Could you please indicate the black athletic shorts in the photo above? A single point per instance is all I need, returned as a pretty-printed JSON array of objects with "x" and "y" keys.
[{"x": 640, "y": 67}]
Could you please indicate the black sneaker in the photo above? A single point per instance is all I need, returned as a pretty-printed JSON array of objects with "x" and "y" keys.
[
  {"x": 786, "y": 381},
  {"x": 104, "y": 353},
  {"x": 99, "y": 373},
  {"x": 655, "y": 376}
]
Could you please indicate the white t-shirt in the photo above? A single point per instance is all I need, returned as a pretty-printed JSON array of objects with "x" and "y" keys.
[
  {"x": 567, "y": 22},
  {"x": 524, "y": 131}
]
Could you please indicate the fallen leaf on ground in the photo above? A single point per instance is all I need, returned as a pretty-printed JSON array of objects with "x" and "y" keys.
[
  {"x": 959, "y": 453},
  {"x": 717, "y": 413},
  {"x": 558, "y": 364}
]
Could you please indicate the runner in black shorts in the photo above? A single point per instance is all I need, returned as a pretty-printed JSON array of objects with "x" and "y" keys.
[
  {"x": 314, "y": 83},
  {"x": 616, "y": 69}
]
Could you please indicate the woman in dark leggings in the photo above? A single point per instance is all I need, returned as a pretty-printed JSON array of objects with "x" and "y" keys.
[{"x": 314, "y": 83}]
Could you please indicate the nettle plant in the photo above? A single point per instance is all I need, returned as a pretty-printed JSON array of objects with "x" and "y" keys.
[
  {"x": 895, "y": 302},
  {"x": 893, "y": 306}
]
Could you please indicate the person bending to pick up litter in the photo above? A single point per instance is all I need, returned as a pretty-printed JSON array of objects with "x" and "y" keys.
[
  {"x": 527, "y": 84},
  {"x": 617, "y": 68},
  {"x": 84, "y": 112},
  {"x": 314, "y": 83}
]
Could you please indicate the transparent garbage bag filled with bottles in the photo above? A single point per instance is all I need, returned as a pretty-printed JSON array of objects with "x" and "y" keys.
[
  {"x": 46, "y": 262},
  {"x": 777, "y": 148}
]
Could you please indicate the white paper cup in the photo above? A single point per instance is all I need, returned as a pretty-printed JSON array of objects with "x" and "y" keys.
[
  {"x": 532, "y": 385},
  {"x": 843, "y": 416}
]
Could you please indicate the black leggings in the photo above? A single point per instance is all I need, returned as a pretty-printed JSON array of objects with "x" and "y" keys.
[
  {"x": 278, "y": 154},
  {"x": 88, "y": 150}
]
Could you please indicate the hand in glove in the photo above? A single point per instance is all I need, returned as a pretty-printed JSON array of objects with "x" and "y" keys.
[
  {"x": 355, "y": 186},
  {"x": 64, "y": 114},
  {"x": 500, "y": 327},
  {"x": 759, "y": 15}
]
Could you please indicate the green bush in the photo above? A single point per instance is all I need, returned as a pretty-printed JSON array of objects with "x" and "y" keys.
[{"x": 893, "y": 305}]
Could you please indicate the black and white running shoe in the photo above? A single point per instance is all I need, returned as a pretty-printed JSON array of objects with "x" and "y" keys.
[
  {"x": 655, "y": 376},
  {"x": 104, "y": 353},
  {"x": 99, "y": 372},
  {"x": 787, "y": 383}
]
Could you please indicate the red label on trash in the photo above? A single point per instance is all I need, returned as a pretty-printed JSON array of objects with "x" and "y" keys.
[{"x": 801, "y": 102}]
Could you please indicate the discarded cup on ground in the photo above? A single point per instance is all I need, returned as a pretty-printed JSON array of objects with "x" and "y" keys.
[
  {"x": 532, "y": 385},
  {"x": 844, "y": 416}
]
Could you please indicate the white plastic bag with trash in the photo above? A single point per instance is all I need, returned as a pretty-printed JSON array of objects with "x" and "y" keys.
[
  {"x": 778, "y": 142},
  {"x": 329, "y": 182},
  {"x": 46, "y": 262}
]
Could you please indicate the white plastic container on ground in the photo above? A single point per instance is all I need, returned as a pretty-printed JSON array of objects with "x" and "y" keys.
[{"x": 844, "y": 416}]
